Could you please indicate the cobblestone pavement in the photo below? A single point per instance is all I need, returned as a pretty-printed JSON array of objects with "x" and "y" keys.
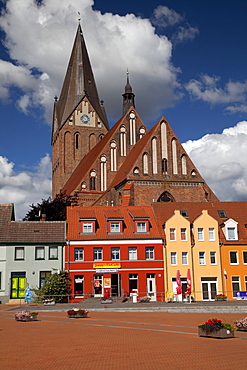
[{"x": 117, "y": 340}]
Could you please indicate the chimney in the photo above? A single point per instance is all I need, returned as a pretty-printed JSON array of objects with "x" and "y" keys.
[{"x": 43, "y": 217}]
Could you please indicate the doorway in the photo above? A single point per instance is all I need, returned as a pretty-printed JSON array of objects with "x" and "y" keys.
[
  {"x": 151, "y": 286},
  {"x": 115, "y": 285},
  {"x": 209, "y": 288},
  {"x": 18, "y": 284}
]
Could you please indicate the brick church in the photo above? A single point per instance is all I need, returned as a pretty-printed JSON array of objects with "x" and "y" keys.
[{"x": 126, "y": 165}]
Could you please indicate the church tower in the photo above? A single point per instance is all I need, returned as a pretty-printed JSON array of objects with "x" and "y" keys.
[
  {"x": 79, "y": 119},
  {"x": 128, "y": 97}
]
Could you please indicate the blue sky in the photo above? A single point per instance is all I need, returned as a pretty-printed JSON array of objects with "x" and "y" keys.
[{"x": 187, "y": 61}]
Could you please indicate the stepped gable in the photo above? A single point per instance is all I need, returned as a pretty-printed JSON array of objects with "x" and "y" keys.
[
  {"x": 78, "y": 83},
  {"x": 177, "y": 177},
  {"x": 235, "y": 210},
  {"x": 92, "y": 159},
  {"x": 102, "y": 214}
]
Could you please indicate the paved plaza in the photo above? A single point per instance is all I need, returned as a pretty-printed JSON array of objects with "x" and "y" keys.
[{"x": 117, "y": 340}]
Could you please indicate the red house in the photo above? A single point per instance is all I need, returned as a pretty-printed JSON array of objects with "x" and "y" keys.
[{"x": 114, "y": 250}]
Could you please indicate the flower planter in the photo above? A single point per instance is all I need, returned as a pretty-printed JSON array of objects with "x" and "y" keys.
[
  {"x": 221, "y": 334},
  {"x": 220, "y": 299},
  {"x": 241, "y": 329},
  {"x": 77, "y": 316},
  {"x": 107, "y": 301}
]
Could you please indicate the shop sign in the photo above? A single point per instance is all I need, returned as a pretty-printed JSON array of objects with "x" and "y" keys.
[
  {"x": 107, "y": 282},
  {"x": 101, "y": 271},
  {"x": 107, "y": 265}
]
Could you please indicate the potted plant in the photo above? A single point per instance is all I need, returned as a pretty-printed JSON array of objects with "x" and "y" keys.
[
  {"x": 26, "y": 316},
  {"x": 241, "y": 324},
  {"x": 76, "y": 313},
  {"x": 216, "y": 329},
  {"x": 144, "y": 299},
  {"x": 220, "y": 297}
]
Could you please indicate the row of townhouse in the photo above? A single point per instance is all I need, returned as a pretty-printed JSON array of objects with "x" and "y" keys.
[{"x": 122, "y": 250}]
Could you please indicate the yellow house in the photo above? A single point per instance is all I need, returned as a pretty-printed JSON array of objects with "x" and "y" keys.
[
  {"x": 177, "y": 251},
  {"x": 206, "y": 259}
]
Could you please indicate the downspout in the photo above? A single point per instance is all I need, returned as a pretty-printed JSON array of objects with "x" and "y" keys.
[
  {"x": 221, "y": 270},
  {"x": 165, "y": 264},
  {"x": 193, "y": 271}
]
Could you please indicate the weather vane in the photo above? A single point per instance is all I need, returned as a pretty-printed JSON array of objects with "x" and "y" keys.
[{"x": 79, "y": 16}]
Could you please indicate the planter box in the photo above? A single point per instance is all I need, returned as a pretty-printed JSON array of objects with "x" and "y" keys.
[
  {"x": 220, "y": 299},
  {"x": 49, "y": 303},
  {"x": 77, "y": 316},
  {"x": 242, "y": 329},
  {"x": 103, "y": 301},
  {"x": 25, "y": 319},
  {"x": 221, "y": 334}
]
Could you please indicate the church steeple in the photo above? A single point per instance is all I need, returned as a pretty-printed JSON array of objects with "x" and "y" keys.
[
  {"x": 78, "y": 83},
  {"x": 128, "y": 96}
]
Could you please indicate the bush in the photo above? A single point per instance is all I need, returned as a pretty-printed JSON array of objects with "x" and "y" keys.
[{"x": 56, "y": 287}]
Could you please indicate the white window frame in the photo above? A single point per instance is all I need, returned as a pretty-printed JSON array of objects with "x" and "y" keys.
[
  {"x": 79, "y": 254},
  {"x": 149, "y": 253},
  {"x": 211, "y": 234},
  {"x": 98, "y": 254},
  {"x": 234, "y": 232},
  {"x": 53, "y": 253},
  {"x": 234, "y": 263},
  {"x": 115, "y": 227},
  {"x": 19, "y": 253},
  {"x": 115, "y": 253},
  {"x": 202, "y": 258},
  {"x": 39, "y": 253},
  {"x": 132, "y": 251},
  {"x": 141, "y": 227},
  {"x": 213, "y": 256},
  {"x": 245, "y": 263},
  {"x": 237, "y": 281},
  {"x": 173, "y": 258},
  {"x": 172, "y": 231},
  {"x": 87, "y": 227},
  {"x": 183, "y": 231},
  {"x": 185, "y": 258},
  {"x": 200, "y": 234}
]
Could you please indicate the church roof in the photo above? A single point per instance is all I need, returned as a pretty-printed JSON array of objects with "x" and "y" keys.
[{"x": 78, "y": 83}]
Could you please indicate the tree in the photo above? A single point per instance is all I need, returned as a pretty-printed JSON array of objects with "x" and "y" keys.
[
  {"x": 55, "y": 210},
  {"x": 56, "y": 287}
]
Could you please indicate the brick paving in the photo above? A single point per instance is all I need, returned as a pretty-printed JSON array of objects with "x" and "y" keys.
[{"x": 117, "y": 340}]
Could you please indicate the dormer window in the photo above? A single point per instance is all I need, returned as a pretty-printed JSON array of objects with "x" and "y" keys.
[
  {"x": 141, "y": 221},
  {"x": 87, "y": 227},
  {"x": 230, "y": 230},
  {"x": 115, "y": 227},
  {"x": 87, "y": 224},
  {"x": 141, "y": 227}
]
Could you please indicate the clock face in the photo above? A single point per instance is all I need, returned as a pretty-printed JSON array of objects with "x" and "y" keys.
[{"x": 85, "y": 118}]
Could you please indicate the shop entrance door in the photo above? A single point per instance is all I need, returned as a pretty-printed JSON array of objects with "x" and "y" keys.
[
  {"x": 115, "y": 285},
  {"x": 151, "y": 286},
  {"x": 209, "y": 290},
  {"x": 18, "y": 284}
]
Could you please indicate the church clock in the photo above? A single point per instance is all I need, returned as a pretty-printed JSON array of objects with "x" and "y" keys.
[{"x": 84, "y": 118}]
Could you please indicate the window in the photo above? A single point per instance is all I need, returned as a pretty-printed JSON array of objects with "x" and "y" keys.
[
  {"x": 145, "y": 163},
  {"x": 87, "y": 227},
  {"x": 202, "y": 260},
  {"x": 173, "y": 258},
  {"x": 39, "y": 253},
  {"x": 235, "y": 285},
  {"x": 183, "y": 234},
  {"x": 184, "y": 258},
  {"x": 149, "y": 253},
  {"x": 245, "y": 257},
  {"x": 132, "y": 253},
  {"x": 79, "y": 254},
  {"x": 200, "y": 234},
  {"x": 114, "y": 227},
  {"x": 19, "y": 253},
  {"x": 184, "y": 213},
  {"x": 78, "y": 285},
  {"x": 231, "y": 233},
  {"x": 53, "y": 253},
  {"x": 211, "y": 234},
  {"x": 222, "y": 214},
  {"x": 133, "y": 282},
  {"x": 115, "y": 253},
  {"x": 172, "y": 234},
  {"x": 97, "y": 254},
  {"x": 213, "y": 258},
  {"x": 93, "y": 180},
  {"x": 245, "y": 280},
  {"x": 233, "y": 258},
  {"x": 43, "y": 276},
  {"x": 141, "y": 227},
  {"x": 0, "y": 280}
]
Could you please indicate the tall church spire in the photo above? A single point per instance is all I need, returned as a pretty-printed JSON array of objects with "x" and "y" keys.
[
  {"x": 78, "y": 83},
  {"x": 128, "y": 96}
]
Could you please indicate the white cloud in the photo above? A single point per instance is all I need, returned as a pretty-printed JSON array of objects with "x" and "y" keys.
[
  {"x": 41, "y": 48},
  {"x": 221, "y": 165},
  {"x": 207, "y": 89},
  {"x": 24, "y": 188},
  {"x": 163, "y": 16}
]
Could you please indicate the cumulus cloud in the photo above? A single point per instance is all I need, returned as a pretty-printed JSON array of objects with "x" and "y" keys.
[
  {"x": 24, "y": 188},
  {"x": 221, "y": 165},
  {"x": 207, "y": 89},
  {"x": 39, "y": 37}
]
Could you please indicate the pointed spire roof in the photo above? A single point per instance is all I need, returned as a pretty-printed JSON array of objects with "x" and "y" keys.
[
  {"x": 78, "y": 83},
  {"x": 128, "y": 96}
]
